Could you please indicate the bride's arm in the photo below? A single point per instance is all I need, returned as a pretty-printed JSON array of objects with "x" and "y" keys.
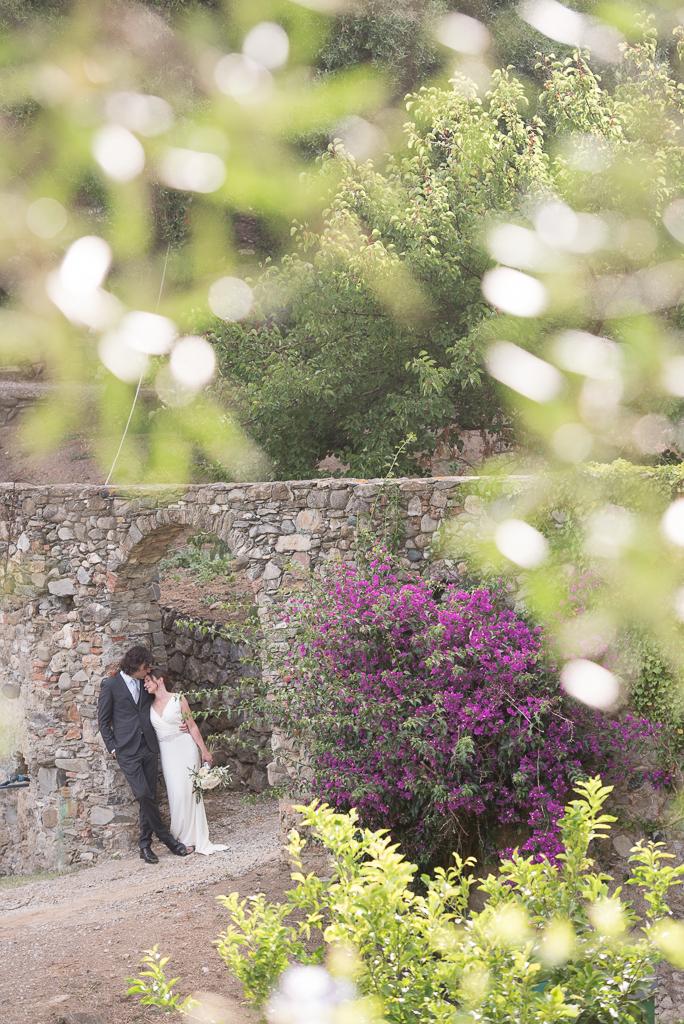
[{"x": 194, "y": 731}]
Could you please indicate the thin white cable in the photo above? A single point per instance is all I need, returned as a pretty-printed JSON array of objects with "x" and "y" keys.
[{"x": 140, "y": 379}]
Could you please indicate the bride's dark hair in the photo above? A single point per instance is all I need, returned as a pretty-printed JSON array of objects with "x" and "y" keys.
[{"x": 159, "y": 673}]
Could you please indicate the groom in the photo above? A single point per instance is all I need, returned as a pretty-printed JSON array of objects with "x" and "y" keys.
[{"x": 123, "y": 717}]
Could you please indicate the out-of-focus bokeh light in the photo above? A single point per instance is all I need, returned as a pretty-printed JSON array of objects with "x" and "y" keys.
[
  {"x": 564, "y": 25},
  {"x": 124, "y": 362},
  {"x": 588, "y": 153},
  {"x": 557, "y": 943},
  {"x": 521, "y": 544},
  {"x": 608, "y": 917},
  {"x": 52, "y": 85},
  {"x": 560, "y": 227},
  {"x": 267, "y": 44},
  {"x": 147, "y": 332},
  {"x": 572, "y": 442},
  {"x": 75, "y": 287},
  {"x": 360, "y": 138},
  {"x": 673, "y": 218},
  {"x": 118, "y": 152},
  {"x": 139, "y": 112},
  {"x": 212, "y": 1008},
  {"x": 672, "y": 376},
  {"x": 678, "y": 604},
  {"x": 672, "y": 523},
  {"x": 308, "y": 995},
  {"x": 230, "y": 298},
  {"x": 193, "y": 362},
  {"x": 462, "y": 33},
  {"x": 599, "y": 402},
  {"x": 587, "y": 354},
  {"x": 192, "y": 171},
  {"x": 554, "y": 20},
  {"x": 519, "y": 247},
  {"x": 653, "y": 434},
  {"x": 587, "y": 635},
  {"x": 523, "y": 372},
  {"x": 46, "y": 217},
  {"x": 668, "y": 935},
  {"x": 85, "y": 264},
  {"x": 509, "y": 926},
  {"x": 590, "y": 683},
  {"x": 514, "y": 292},
  {"x": 609, "y": 531},
  {"x": 242, "y": 78}
]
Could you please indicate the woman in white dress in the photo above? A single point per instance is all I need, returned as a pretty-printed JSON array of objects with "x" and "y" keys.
[{"x": 180, "y": 752}]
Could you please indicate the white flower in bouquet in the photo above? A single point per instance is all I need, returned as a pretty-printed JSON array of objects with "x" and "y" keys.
[{"x": 206, "y": 778}]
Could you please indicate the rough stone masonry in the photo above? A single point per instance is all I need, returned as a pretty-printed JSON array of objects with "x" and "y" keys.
[{"x": 78, "y": 567}]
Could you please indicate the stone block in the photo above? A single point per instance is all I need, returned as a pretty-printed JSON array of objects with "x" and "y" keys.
[
  {"x": 101, "y": 815},
  {"x": 317, "y": 499},
  {"x": 47, "y": 780},
  {"x": 293, "y": 542},
  {"x": 49, "y": 817},
  {"x": 473, "y": 505},
  {"x": 428, "y": 524},
  {"x": 177, "y": 663},
  {"x": 339, "y": 499},
  {"x": 72, "y": 764},
  {"x": 62, "y": 588},
  {"x": 415, "y": 506},
  {"x": 309, "y": 520}
]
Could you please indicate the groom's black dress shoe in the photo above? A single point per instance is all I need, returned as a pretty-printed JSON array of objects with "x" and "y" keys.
[
  {"x": 179, "y": 849},
  {"x": 148, "y": 855}
]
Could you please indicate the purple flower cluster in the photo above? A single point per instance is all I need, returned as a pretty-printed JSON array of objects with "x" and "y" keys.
[{"x": 440, "y": 718}]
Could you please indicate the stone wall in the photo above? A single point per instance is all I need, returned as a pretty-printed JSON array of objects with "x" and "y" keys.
[
  {"x": 15, "y": 819},
  {"x": 197, "y": 658},
  {"x": 78, "y": 567}
]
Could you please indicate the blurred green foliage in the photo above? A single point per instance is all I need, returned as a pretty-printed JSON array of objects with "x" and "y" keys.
[
  {"x": 155, "y": 140},
  {"x": 375, "y": 326}
]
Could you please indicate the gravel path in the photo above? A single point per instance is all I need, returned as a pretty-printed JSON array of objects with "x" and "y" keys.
[{"x": 68, "y": 943}]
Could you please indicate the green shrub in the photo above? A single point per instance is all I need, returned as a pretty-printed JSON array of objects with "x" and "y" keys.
[
  {"x": 550, "y": 943},
  {"x": 205, "y": 556}
]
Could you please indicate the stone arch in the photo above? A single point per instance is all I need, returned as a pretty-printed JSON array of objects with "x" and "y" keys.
[
  {"x": 136, "y": 615},
  {"x": 131, "y": 577}
]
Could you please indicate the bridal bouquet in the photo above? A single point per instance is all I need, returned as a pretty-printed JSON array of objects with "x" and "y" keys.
[{"x": 205, "y": 778}]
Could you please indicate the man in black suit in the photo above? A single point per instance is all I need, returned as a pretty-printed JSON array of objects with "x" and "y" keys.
[{"x": 123, "y": 717}]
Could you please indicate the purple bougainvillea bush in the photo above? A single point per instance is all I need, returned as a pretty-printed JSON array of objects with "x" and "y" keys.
[{"x": 438, "y": 715}]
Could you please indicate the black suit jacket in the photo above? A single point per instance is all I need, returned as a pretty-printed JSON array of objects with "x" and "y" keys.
[{"x": 122, "y": 722}]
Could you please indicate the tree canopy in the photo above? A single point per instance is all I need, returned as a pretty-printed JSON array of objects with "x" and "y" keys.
[{"x": 371, "y": 329}]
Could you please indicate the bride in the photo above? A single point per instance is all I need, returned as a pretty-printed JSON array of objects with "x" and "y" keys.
[{"x": 181, "y": 751}]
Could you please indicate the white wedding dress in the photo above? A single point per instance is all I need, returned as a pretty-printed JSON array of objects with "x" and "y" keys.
[{"x": 179, "y": 753}]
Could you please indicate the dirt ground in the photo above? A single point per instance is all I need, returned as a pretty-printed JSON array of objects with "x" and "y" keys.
[
  {"x": 227, "y": 598},
  {"x": 68, "y": 943}
]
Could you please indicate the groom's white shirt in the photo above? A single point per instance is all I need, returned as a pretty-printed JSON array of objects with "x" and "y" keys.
[{"x": 133, "y": 686}]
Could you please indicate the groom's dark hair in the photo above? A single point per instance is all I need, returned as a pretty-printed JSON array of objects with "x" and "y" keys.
[{"x": 134, "y": 658}]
